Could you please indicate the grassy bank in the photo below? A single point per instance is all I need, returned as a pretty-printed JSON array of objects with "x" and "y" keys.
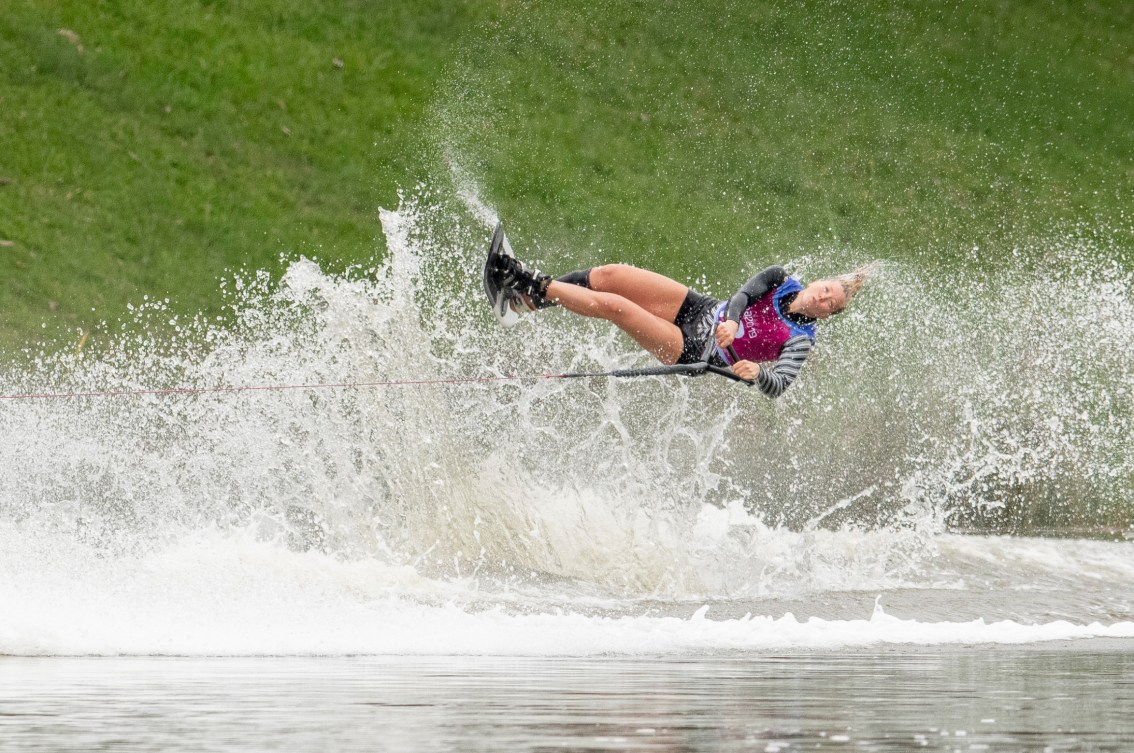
[
  {"x": 146, "y": 146},
  {"x": 667, "y": 132}
]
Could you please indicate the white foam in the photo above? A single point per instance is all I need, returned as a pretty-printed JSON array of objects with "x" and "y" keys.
[{"x": 220, "y": 594}]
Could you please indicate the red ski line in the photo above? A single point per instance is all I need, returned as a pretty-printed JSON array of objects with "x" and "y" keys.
[{"x": 271, "y": 387}]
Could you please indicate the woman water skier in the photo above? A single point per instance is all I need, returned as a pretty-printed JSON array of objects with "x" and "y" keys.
[{"x": 771, "y": 319}]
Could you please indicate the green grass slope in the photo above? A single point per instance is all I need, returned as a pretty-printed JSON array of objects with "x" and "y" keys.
[
  {"x": 664, "y": 131},
  {"x": 148, "y": 145}
]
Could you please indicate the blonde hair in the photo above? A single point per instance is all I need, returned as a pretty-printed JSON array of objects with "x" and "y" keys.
[{"x": 852, "y": 281}]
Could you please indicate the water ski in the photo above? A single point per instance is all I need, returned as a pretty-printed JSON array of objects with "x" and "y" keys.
[{"x": 505, "y": 302}]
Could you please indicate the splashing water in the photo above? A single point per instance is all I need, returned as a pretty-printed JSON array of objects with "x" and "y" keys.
[{"x": 544, "y": 516}]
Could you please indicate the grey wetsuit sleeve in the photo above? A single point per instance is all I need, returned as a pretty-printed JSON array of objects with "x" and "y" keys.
[
  {"x": 773, "y": 379},
  {"x": 754, "y": 290}
]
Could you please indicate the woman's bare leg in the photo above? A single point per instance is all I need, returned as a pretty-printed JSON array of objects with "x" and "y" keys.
[
  {"x": 661, "y": 337},
  {"x": 656, "y": 293}
]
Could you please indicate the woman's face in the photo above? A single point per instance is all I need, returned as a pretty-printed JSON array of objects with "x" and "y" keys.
[{"x": 820, "y": 299}]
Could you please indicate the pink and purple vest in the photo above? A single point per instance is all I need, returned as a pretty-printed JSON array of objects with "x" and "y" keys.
[{"x": 763, "y": 327}]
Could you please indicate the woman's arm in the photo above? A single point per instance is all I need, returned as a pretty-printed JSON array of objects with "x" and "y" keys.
[
  {"x": 777, "y": 377},
  {"x": 754, "y": 290}
]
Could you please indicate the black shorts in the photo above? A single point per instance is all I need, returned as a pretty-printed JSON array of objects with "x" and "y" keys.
[{"x": 695, "y": 320}]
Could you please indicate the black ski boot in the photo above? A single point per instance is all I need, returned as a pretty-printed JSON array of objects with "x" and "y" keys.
[{"x": 530, "y": 284}]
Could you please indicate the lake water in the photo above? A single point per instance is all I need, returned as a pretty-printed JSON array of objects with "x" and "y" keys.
[{"x": 1059, "y": 697}]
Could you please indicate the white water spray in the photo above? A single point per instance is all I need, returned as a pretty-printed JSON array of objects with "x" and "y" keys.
[{"x": 390, "y": 520}]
